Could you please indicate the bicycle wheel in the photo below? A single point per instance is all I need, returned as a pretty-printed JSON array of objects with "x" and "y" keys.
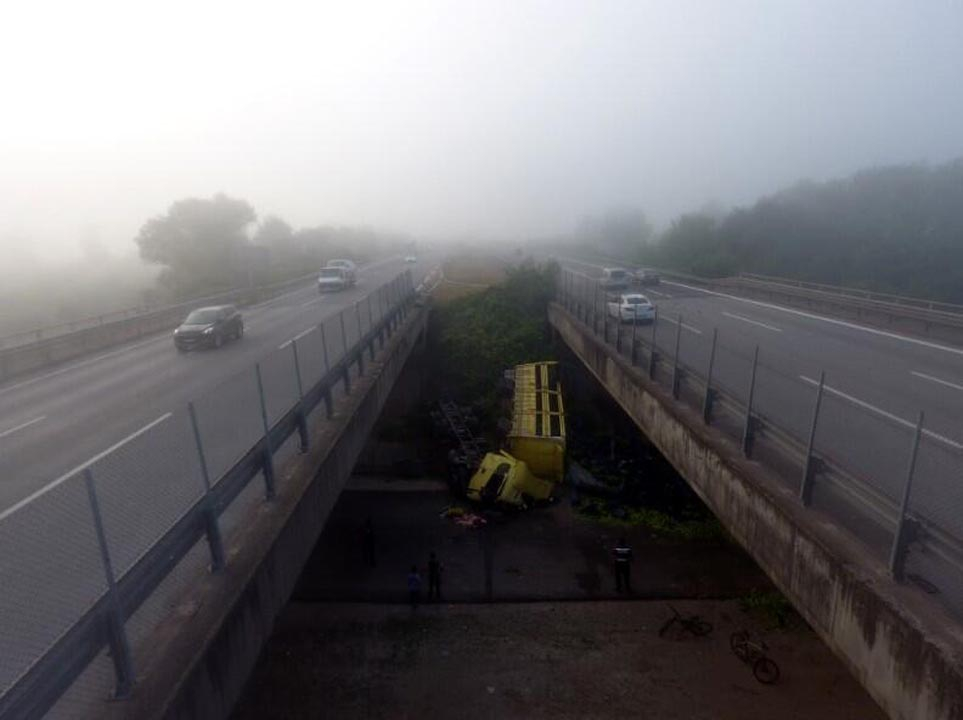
[
  {"x": 666, "y": 625},
  {"x": 737, "y": 641},
  {"x": 699, "y": 627},
  {"x": 765, "y": 670}
]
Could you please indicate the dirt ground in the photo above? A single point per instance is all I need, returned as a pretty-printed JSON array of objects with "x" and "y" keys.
[{"x": 537, "y": 660}]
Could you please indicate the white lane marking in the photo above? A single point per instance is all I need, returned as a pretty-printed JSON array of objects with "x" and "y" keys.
[
  {"x": 296, "y": 337},
  {"x": 690, "y": 328},
  {"x": 822, "y": 318},
  {"x": 11, "y": 431},
  {"x": 879, "y": 411},
  {"x": 931, "y": 378},
  {"x": 312, "y": 302},
  {"x": 754, "y": 322},
  {"x": 70, "y": 473},
  {"x": 656, "y": 292},
  {"x": 68, "y": 368}
]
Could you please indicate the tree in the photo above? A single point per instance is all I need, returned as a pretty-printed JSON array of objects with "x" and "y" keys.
[{"x": 199, "y": 241}]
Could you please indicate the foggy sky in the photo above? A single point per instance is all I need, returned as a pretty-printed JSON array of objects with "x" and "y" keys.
[{"x": 442, "y": 118}]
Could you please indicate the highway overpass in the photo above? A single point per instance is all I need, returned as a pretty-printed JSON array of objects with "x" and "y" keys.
[
  {"x": 135, "y": 476},
  {"x": 843, "y": 495}
]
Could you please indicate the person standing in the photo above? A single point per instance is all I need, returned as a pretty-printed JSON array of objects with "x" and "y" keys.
[
  {"x": 622, "y": 556},
  {"x": 434, "y": 577},
  {"x": 414, "y": 587}
]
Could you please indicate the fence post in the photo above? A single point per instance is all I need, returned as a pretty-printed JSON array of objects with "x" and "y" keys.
[
  {"x": 324, "y": 350},
  {"x": 904, "y": 536},
  {"x": 371, "y": 328},
  {"x": 357, "y": 309},
  {"x": 709, "y": 397},
  {"x": 675, "y": 359},
  {"x": 268, "y": 450},
  {"x": 302, "y": 418},
  {"x": 119, "y": 646},
  {"x": 214, "y": 540},
  {"x": 595, "y": 310},
  {"x": 618, "y": 333},
  {"x": 653, "y": 355},
  {"x": 344, "y": 359},
  {"x": 810, "y": 466},
  {"x": 749, "y": 430},
  {"x": 635, "y": 323}
]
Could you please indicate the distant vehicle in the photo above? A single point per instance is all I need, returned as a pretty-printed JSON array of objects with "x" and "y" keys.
[
  {"x": 411, "y": 259},
  {"x": 333, "y": 279},
  {"x": 614, "y": 279},
  {"x": 348, "y": 266},
  {"x": 647, "y": 277},
  {"x": 631, "y": 307},
  {"x": 209, "y": 327}
]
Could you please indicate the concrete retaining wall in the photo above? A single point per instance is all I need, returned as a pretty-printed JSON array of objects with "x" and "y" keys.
[
  {"x": 901, "y": 645},
  {"x": 200, "y": 662}
]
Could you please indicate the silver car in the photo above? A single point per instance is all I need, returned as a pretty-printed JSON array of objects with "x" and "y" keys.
[{"x": 333, "y": 279}]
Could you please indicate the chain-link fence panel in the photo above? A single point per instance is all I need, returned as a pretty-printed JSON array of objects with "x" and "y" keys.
[
  {"x": 50, "y": 571},
  {"x": 229, "y": 417},
  {"x": 334, "y": 338},
  {"x": 280, "y": 382},
  {"x": 937, "y": 491},
  {"x": 147, "y": 485},
  {"x": 783, "y": 398},
  {"x": 871, "y": 451},
  {"x": 311, "y": 358}
]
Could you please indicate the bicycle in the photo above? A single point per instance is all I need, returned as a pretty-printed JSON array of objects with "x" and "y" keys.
[
  {"x": 755, "y": 654},
  {"x": 692, "y": 623}
]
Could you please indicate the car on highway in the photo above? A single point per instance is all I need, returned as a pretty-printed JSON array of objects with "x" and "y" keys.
[
  {"x": 209, "y": 327},
  {"x": 333, "y": 279},
  {"x": 350, "y": 269},
  {"x": 631, "y": 307},
  {"x": 411, "y": 259},
  {"x": 646, "y": 277},
  {"x": 614, "y": 279}
]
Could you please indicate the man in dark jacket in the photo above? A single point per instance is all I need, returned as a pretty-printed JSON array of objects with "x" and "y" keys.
[{"x": 622, "y": 556}]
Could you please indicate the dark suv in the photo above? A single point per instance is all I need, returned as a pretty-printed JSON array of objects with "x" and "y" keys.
[{"x": 209, "y": 327}]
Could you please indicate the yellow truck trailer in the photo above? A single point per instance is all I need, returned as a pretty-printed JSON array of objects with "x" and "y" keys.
[{"x": 535, "y": 460}]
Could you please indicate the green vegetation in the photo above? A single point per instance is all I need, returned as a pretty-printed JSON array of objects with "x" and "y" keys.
[
  {"x": 771, "y": 606},
  {"x": 895, "y": 229},
  {"x": 703, "y": 527},
  {"x": 478, "y": 336},
  {"x": 205, "y": 245}
]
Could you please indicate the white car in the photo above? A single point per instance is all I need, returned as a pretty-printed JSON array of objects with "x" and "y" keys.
[
  {"x": 332, "y": 279},
  {"x": 350, "y": 269},
  {"x": 614, "y": 279},
  {"x": 631, "y": 307},
  {"x": 411, "y": 259}
]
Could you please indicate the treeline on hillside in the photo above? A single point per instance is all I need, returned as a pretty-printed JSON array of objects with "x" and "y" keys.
[
  {"x": 205, "y": 245},
  {"x": 895, "y": 229}
]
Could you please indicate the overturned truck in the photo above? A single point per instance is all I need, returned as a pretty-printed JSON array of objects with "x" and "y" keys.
[{"x": 533, "y": 461}]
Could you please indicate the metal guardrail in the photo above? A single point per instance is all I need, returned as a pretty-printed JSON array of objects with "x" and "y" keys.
[
  {"x": 904, "y": 505},
  {"x": 858, "y": 302},
  {"x": 849, "y": 292},
  {"x": 49, "y": 332},
  {"x": 47, "y": 677}
]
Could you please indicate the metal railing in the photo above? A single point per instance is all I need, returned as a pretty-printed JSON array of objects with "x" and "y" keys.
[
  {"x": 857, "y": 293},
  {"x": 49, "y": 332},
  {"x": 893, "y": 483},
  {"x": 83, "y": 559}
]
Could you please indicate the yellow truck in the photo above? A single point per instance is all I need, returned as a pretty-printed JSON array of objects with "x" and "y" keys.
[{"x": 535, "y": 458}]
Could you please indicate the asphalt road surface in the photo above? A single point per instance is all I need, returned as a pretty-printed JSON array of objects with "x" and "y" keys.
[
  {"x": 876, "y": 384},
  {"x": 59, "y": 420}
]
